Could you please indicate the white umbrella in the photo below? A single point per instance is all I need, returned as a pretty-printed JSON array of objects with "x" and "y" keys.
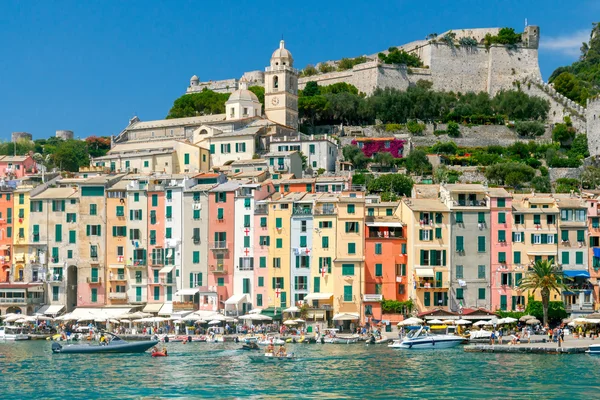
[
  {"x": 510, "y": 320},
  {"x": 435, "y": 322},
  {"x": 42, "y": 317},
  {"x": 192, "y": 317},
  {"x": 290, "y": 322},
  {"x": 100, "y": 319},
  {"x": 153, "y": 319},
  {"x": 214, "y": 322},
  {"x": 533, "y": 321},
  {"x": 480, "y": 323},
  {"x": 526, "y": 317},
  {"x": 489, "y": 323},
  {"x": 300, "y": 321},
  {"x": 292, "y": 309},
  {"x": 463, "y": 322},
  {"x": 255, "y": 311},
  {"x": 448, "y": 321},
  {"x": 126, "y": 320},
  {"x": 114, "y": 321},
  {"x": 9, "y": 315},
  {"x": 593, "y": 321},
  {"x": 410, "y": 321},
  {"x": 13, "y": 318}
]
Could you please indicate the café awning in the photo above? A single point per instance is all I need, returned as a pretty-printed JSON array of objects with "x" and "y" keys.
[
  {"x": 53, "y": 310},
  {"x": 318, "y": 296},
  {"x": 187, "y": 292},
  {"x": 384, "y": 224},
  {"x": 166, "y": 270},
  {"x": 152, "y": 308},
  {"x": 346, "y": 317},
  {"x": 166, "y": 309},
  {"x": 236, "y": 300},
  {"x": 576, "y": 273},
  {"x": 425, "y": 272}
]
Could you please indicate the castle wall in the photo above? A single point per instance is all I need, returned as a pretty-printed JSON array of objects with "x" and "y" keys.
[
  {"x": 507, "y": 66},
  {"x": 459, "y": 69},
  {"x": 593, "y": 126}
]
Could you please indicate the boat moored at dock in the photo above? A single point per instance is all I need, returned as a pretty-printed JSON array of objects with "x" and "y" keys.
[{"x": 421, "y": 339}]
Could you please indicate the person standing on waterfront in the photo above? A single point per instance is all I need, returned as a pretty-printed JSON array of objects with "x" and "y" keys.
[{"x": 500, "y": 334}]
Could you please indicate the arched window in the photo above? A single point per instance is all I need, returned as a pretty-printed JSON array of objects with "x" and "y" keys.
[{"x": 276, "y": 82}]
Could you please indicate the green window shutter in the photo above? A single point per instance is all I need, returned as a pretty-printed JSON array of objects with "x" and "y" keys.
[
  {"x": 565, "y": 257},
  {"x": 246, "y": 221},
  {"x": 544, "y": 238},
  {"x": 302, "y": 241},
  {"x": 316, "y": 284},
  {"x": 579, "y": 257},
  {"x": 509, "y": 279},
  {"x": 459, "y": 217},
  {"x": 196, "y": 214},
  {"x": 459, "y": 272},
  {"x": 62, "y": 204},
  {"x": 427, "y": 299},
  {"x": 502, "y": 236},
  {"x": 351, "y": 248},
  {"x": 58, "y": 233},
  {"x": 377, "y": 248},
  {"x": 169, "y": 213},
  {"x": 87, "y": 230},
  {"x": 501, "y": 218},
  {"x": 517, "y": 257},
  {"x": 459, "y": 294},
  {"x": 422, "y": 257},
  {"x": 186, "y": 158},
  {"x": 501, "y": 202},
  {"x": 263, "y": 262},
  {"x": 481, "y": 294},
  {"x": 503, "y": 305},
  {"x": 325, "y": 242},
  {"x": 168, "y": 232},
  {"x": 502, "y": 257},
  {"x": 154, "y": 200},
  {"x": 246, "y": 241},
  {"x": 460, "y": 243},
  {"x": 536, "y": 219},
  {"x": 420, "y": 234},
  {"x": 439, "y": 218},
  {"x": 196, "y": 257},
  {"x": 263, "y": 221},
  {"x": 378, "y": 270},
  {"x": 279, "y": 243},
  {"x": 438, "y": 233},
  {"x": 351, "y": 208},
  {"x": 481, "y": 217},
  {"x": 481, "y": 244},
  {"x": 72, "y": 236},
  {"x": 99, "y": 229},
  {"x": 131, "y": 215},
  {"x": 219, "y": 213},
  {"x": 278, "y": 223},
  {"x": 581, "y": 236},
  {"x": 348, "y": 293},
  {"x": 347, "y": 269},
  {"x": 564, "y": 235},
  {"x": 518, "y": 278}
]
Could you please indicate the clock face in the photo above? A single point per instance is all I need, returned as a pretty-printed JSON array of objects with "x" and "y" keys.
[{"x": 275, "y": 101}]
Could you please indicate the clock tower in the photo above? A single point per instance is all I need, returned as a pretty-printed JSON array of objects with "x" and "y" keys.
[{"x": 281, "y": 88}]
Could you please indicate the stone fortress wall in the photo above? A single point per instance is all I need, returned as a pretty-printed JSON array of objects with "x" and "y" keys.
[
  {"x": 593, "y": 126},
  {"x": 254, "y": 78}
]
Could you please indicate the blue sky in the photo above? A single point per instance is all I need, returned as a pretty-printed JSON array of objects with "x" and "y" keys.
[{"x": 89, "y": 66}]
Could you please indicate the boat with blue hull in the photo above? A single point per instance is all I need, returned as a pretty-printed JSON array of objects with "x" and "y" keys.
[
  {"x": 115, "y": 345},
  {"x": 421, "y": 339}
]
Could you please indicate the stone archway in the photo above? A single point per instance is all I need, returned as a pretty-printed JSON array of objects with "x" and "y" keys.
[
  {"x": 19, "y": 273},
  {"x": 5, "y": 277},
  {"x": 14, "y": 310}
]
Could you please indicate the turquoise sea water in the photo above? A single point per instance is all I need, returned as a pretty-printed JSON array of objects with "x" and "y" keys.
[{"x": 28, "y": 370}]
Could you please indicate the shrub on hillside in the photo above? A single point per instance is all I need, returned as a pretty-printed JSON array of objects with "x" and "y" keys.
[{"x": 529, "y": 129}]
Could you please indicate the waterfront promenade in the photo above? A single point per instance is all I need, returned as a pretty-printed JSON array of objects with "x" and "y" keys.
[{"x": 571, "y": 345}]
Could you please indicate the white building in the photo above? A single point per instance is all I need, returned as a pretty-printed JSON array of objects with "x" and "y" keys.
[
  {"x": 284, "y": 162},
  {"x": 321, "y": 151}
]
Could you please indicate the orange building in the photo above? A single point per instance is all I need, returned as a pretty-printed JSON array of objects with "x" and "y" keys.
[
  {"x": 385, "y": 257},
  {"x": 6, "y": 216}
]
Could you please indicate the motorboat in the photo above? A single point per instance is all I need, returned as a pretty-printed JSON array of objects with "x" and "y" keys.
[
  {"x": 593, "y": 349},
  {"x": 9, "y": 332},
  {"x": 250, "y": 339},
  {"x": 115, "y": 345},
  {"x": 271, "y": 339},
  {"x": 333, "y": 338},
  {"x": 377, "y": 339},
  {"x": 421, "y": 338},
  {"x": 250, "y": 346},
  {"x": 272, "y": 358}
]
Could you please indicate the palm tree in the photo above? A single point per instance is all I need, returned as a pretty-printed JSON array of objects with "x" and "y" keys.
[{"x": 546, "y": 277}]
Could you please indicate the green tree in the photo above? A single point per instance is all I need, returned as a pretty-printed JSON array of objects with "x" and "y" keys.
[
  {"x": 545, "y": 277},
  {"x": 384, "y": 159},
  {"x": 398, "y": 184},
  {"x": 563, "y": 134},
  {"x": 541, "y": 184},
  {"x": 579, "y": 147},
  {"x": 516, "y": 173},
  {"x": 417, "y": 162},
  {"x": 309, "y": 70},
  {"x": 453, "y": 129},
  {"x": 566, "y": 185},
  {"x": 325, "y": 68},
  {"x": 530, "y": 129},
  {"x": 259, "y": 91},
  {"x": 590, "y": 177},
  {"x": 71, "y": 155},
  {"x": 98, "y": 146},
  {"x": 311, "y": 88},
  {"x": 205, "y": 102}
]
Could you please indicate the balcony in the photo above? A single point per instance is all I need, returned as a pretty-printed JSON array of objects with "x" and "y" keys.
[
  {"x": 579, "y": 308},
  {"x": 280, "y": 167},
  {"x": 389, "y": 233},
  {"x": 56, "y": 279},
  {"x": 261, "y": 210},
  {"x": 218, "y": 246},
  {"x": 372, "y": 297},
  {"x": 432, "y": 284},
  {"x": 117, "y": 295},
  {"x": 137, "y": 263},
  {"x": 166, "y": 281},
  {"x": 94, "y": 280},
  {"x": 21, "y": 300},
  {"x": 302, "y": 211},
  {"x": 325, "y": 211},
  {"x": 184, "y": 306},
  {"x": 217, "y": 269},
  {"x": 117, "y": 277},
  {"x": 470, "y": 202}
]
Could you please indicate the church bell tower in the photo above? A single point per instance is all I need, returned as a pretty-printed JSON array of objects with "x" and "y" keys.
[{"x": 281, "y": 88}]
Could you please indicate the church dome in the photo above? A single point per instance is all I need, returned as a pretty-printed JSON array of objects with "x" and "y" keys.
[
  {"x": 194, "y": 78},
  {"x": 242, "y": 94},
  {"x": 283, "y": 53}
]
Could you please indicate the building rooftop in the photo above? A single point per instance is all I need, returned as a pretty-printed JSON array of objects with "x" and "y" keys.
[
  {"x": 425, "y": 191},
  {"x": 465, "y": 187},
  {"x": 425, "y": 205},
  {"x": 164, "y": 123},
  {"x": 13, "y": 158},
  {"x": 498, "y": 192},
  {"x": 240, "y": 132},
  {"x": 57, "y": 193},
  {"x": 297, "y": 181},
  {"x": 202, "y": 187},
  {"x": 228, "y": 186},
  {"x": 249, "y": 162},
  {"x": 279, "y": 153}
]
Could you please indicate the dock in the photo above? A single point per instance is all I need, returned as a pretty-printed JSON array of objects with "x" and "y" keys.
[{"x": 570, "y": 346}]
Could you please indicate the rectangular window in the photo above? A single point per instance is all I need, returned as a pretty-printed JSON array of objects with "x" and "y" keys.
[
  {"x": 351, "y": 208},
  {"x": 21, "y": 198},
  {"x": 348, "y": 293},
  {"x": 279, "y": 243},
  {"x": 196, "y": 257},
  {"x": 246, "y": 241},
  {"x": 481, "y": 272},
  {"x": 246, "y": 221},
  {"x": 502, "y": 236},
  {"x": 72, "y": 237},
  {"x": 347, "y": 269},
  {"x": 579, "y": 257},
  {"x": 263, "y": 222},
  {"x": 427, "y": 299},
  {"x": 438, "y": 233},
  {"x": 278, "y": 223},
  {"x": 325, "y": 242},
  {"x": 501, "y": 202},
  {"x": 302, "y": 241},
  {"x": 262, "y": 262},
  {"x": 581, "y": 236},
  {"x": 351, "y": 227},
  {"x": 460, "y": 244},
  {"x": 517, "y": 237},
  {"x": 351, "y": 248},
  {"x": 503, "y": 305},
  {"x": 501, "y": 218},
  {"x": 36, "y": 233},
  {"x": 276, "y": 262},
  {"x": 58, "y": 233},
  {"x": 536, "y": 219},
  {"x": 168, "y": 233},
  {"x": 518, "y": 278},
  {"x": 94, "y": 295},
  {"x": 481, "y": 244},
  {"x": 71, "y": 217},
  {"x": 459, "y": 294},
  {"x": 565, "y": 257},
  {"x": 519, "y": 219},
  {"x": 481, "y": 218},
  {"x": 425, "y": 235},
  {"x": 501, "y": 257},
  {"x": 517, "y": 257},
  {"x": 459, "y": 217},
  {"x": 459, "y": 272},
  {"x": 481, "y": 294},
  {"x": 186, "y": 158},
  {"x": 378, "y": 248},
  {"x": 378, "y": 270},
  {"x": 55, "y": 257}
]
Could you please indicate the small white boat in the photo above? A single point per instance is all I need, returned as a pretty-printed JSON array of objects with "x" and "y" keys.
[
  {"x": 340, "y": 340},
  {"x": 9, "y": 332},
  {"x": 250, "y": 339},
  {"x": 593, "y": 349},
  {"x": 421, "y": 339},
  {"x": 270, "y": 357},
  {"x": 271, "y": 339}
]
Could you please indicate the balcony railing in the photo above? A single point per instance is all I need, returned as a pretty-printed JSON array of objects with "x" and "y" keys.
[
  {"x": 117, "y": 277},
  {"x": 576, "y": 307},
  {"x": 217, "y": 269},
  {"x": 385, "y": 234},
  {"x": 220, "y": 245},
  {"x": 94, "y": 280},
  {"x": 137, "y": 263},
  {"x": 21, "y": 300},
  {"x": 165, "y": 281},
  {"x": 301, "y": 287},
  {"x": 432, "y": 285},
  {"x": 117, "y": 295},
  {"x": 372, "y": 297},
  {"x": 325, "y": 211},
  {"x": 246, "y": 268},
  {"x": 302, "y": 211},
  {"x": 261, "y": 210},
  {"x": 470, "y": 203}
]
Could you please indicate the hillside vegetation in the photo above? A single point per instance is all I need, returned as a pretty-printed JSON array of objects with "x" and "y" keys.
[{"x": 581, "y": 80}]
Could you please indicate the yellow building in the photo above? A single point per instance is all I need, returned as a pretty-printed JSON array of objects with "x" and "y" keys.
[
  {"x": 348, "y": 265},
  {"x": 116, "y": 242},
  {"x": 280, "y": 213},
  {"x": 27, "y": 263},
  {"x": 428, "y": 260}
]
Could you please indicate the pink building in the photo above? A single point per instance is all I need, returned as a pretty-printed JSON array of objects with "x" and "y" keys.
[
  {"x": 261, "y": 250},
  {"x": 594, "y": 245},
  {"x": 221, "y": 209},
  {"x": 15, "y": 167},
  {"x": 505, "y": 271}
]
